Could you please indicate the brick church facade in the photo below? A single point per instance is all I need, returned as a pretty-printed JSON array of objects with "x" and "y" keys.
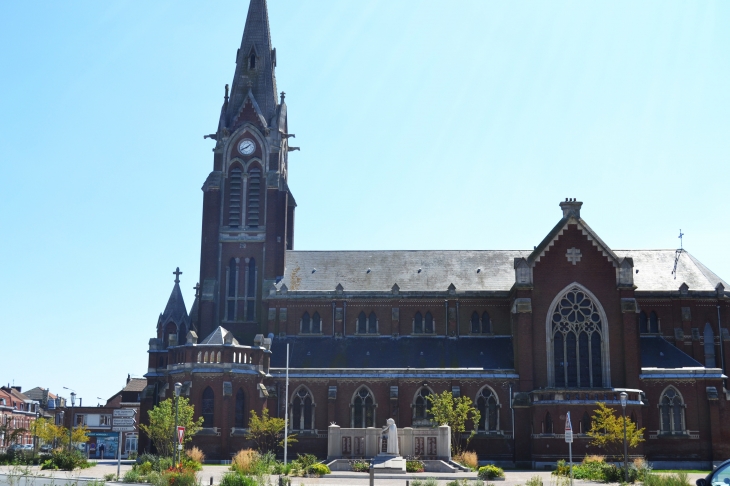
[{"x": 527, "y": 335}]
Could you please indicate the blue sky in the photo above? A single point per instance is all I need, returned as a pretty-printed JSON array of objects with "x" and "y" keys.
[{"x": 423, "y": 125}]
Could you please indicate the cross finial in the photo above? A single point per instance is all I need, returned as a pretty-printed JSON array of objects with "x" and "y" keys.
[
  {"x": 680, "y": 238},
  {"x": 282, "y": 96},
  {"x": 197, "y": 290},
  {"x": 177, "y": 274},
  {"x": 226, "y": 96}
]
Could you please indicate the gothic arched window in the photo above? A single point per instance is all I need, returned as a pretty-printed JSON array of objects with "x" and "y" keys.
[
  {"x": 363, "y": 409},
  {"x": 671, "y": 409},
  {"x": 643, "y": 323},
  {"x": 653, "y": 323},
  {"x": 252, "y": 60},
  {"x": 316, "y": 323},
  {"x": 362, "y": 323},
  {"x": 428, "y": 324},
  {"x": 251, "y": 290},
  {"x": 253, "y": 201},
  {"x": 240, "y": 418},
  {"x": 548, "y": 424},
  {"x": 207, "y": 407},
  {"x": 585, "y": 423},
  {"x": 488, "y": 408},
  {"x": 372, "y": 323},
  {"x": 418, "y": 323},
  {"x": 302, "y": 410},
  {"x": 235, "y": 186},
  {"x": 422, "y": 405},
  {"x": 306, "y": 323},
  {"x": 709, "y": 346},
  {"x": 486, "y": 323},
  {"x": 577, "y": 341},
  {"x": 475, "y": 323}
]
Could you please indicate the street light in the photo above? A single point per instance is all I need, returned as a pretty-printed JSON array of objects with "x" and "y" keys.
[
  {"x": 35, "y": 429},
  {"x": 176, "y": 453},
  {"x": 71, "y": 422},
  {"x": 624, "y": 396}
]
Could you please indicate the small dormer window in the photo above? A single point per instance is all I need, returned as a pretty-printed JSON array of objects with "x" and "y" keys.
[{"x": 252, "y": 60}]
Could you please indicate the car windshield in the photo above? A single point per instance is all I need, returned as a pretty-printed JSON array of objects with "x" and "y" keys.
[{"x": 721, "y": 477}]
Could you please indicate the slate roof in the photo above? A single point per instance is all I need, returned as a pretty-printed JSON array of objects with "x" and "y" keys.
[
  {"x": 217, "y": 337},
  {"x": 323, "y": 270},
  {"x": 175, "y": 309},
  {"x": 135, "y": 385},
  {"x": 488, "y": 353},
  {"x": 657, "y": 352}
]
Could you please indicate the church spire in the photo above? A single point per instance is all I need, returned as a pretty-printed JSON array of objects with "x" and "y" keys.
[{"x": 255, "y": 63}]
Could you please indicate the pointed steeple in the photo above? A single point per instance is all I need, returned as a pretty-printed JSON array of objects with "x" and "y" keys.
[
  {"x": 175, "y": 311},
  {"x": 255, "y": 63}
]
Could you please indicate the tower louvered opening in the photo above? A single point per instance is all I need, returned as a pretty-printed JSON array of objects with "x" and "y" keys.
[
  {"x": 234, "y": 201},
  {"x": 254, "y": 197}
]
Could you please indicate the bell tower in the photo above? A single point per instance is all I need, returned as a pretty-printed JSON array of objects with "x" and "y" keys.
[{"x": 248, "y": 209}]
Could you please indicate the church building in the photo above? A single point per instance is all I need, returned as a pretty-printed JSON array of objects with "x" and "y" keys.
[{"x": 527, "y": 335}]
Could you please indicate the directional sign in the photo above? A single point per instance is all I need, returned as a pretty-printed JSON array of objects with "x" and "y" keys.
[
  {"x": 124, "y": 412},
  {"x": 122, "y": 421},
  {"x": 123, "y": 429},
  {"x": 180, "y": 434},
  {"x": 568, "y": 429}
]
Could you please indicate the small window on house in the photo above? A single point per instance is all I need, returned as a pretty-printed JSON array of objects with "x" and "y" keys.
[
  {"x": 653, "y": 323},
  {"x": 316, "y": 323},
  {"x": 475, "y": 323},
  {"x": 486, "y": 323},
  {"x": 306, "y": 324},
  {"x": 548, "y": 424},
  {"x": 428, "y": 327},
  {"x": 418, "y": 323}
]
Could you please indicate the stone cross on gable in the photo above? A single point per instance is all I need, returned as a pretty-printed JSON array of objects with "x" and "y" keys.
[
  {"x": 197, "y": 289},
  {"x": 177, "y": 274},
  {"x": 573, "y": 255}
]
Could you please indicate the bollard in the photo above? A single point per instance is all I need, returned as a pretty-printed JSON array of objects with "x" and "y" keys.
[
  {"x": 211, "y": 481},
  {"x": 408, "y": 483},
  {"x": 372, "y": 475}
]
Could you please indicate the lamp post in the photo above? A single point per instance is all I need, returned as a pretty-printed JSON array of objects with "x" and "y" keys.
[
  {"x": 176, "y": 453},
  {"x": 624, "y": 397},
  {"x": 71, "y": 424},
  {"x": 35, "y": 429}
]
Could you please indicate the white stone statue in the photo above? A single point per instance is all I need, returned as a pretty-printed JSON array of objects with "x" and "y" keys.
[{"x": 391, "y": 432}]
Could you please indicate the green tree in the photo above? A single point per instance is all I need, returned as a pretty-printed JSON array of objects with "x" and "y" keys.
[
  {"x": 161, "y": 428},
  {"x": 455, "y": 412},
  {"x": 267, "y": 432},
  {"x": 607, "y": 431}
]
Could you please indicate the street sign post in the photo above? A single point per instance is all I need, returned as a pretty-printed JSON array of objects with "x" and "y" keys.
[
  {"x": 124, "y": 412},
  {"x": 122, "y": 421},
  {"x": 124, "y": 428},
  {"x": 569, "y": 440},
  {"x": 180, "y": 436}
]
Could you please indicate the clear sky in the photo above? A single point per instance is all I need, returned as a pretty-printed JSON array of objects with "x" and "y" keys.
[{"x": 423, "y": 125}]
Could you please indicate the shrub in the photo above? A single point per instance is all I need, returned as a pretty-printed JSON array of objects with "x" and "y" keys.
[
  {"x": 319, "y": 469},
  {"x": 679, "y": 479},
  {"x": 465, "y": 482},
  {"x": 66, "y": 461},
  {"x": 306, "y": 461},
  {"x": 110, "y": 477},
  {"x": 363, "y": 466},
  {"x": 132, "y": 455},
  {"x": 132, "y": 476},
  {"x": 468, "y": 459},
  {"x": 415, "y": 466},
  {"x": 243, "y": 461},
  {"x": 237, "y": 479},
  {"x": 490, "y": 471},
  {"x": 196, "y": 455},
  {"x": 534, "y": 481}
]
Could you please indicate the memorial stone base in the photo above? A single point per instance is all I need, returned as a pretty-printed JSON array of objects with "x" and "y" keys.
[{"x": 389, "y": 464}]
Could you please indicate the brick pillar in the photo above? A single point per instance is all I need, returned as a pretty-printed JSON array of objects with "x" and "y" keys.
[
  {"x": 715, "y": 431},
  {"x": 522, "y": 336}
]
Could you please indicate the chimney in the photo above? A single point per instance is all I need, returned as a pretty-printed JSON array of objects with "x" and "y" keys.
[
  {"x": 571, "y": 206},
  {"x": 128, "y": 378}
]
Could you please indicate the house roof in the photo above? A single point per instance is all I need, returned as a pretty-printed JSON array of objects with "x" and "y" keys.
[
  {"x": 217, "y": 337},
  {"x": 657, "y": 352},
  {"x": 323, "y": 352},
  {"x": 135, "y": 385},
  {"x": 468, "y": 270}
]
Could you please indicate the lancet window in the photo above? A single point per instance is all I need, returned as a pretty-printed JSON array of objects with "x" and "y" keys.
[
  {"x": 235, "y": 191},
  {"x": 363, "y": 409},
  {"x": 254, "y": 197},
  {"x": 367, "y": 324},
  {"x": 577, "y": 341},
  {"x": 671, "y": 409},
  {"x": 302, "y": 410},
  {"x": 240, "y": 418},
  {"x": 481, "y": 324},
  {"x": 488, "y": 407},
  {"x": 422, "y": 405},
  {"x": 207, "y": 407}
]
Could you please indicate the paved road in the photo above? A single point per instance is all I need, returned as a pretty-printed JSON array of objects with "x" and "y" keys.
[{"x": 33, "y": 476}]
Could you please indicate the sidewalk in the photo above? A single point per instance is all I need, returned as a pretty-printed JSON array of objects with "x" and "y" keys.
[{"x": 102, "y": 468}]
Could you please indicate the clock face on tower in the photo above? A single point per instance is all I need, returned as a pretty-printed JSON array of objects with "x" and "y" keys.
[{"x": 247, "y": 146}]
